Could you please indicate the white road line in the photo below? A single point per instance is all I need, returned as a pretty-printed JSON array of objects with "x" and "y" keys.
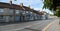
[
  {"x": 28, "y": 26},
  {"x": 47, "y": 26}
]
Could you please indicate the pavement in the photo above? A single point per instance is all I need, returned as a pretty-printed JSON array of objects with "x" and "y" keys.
[
  {"x": 59, "y": 26},
  {"x": 27, "y": 26}
]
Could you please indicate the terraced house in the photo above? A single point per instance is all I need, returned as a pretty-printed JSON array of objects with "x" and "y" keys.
[
  {"x": 15, "y": 13},
  {"x": 10, "y": 13}
]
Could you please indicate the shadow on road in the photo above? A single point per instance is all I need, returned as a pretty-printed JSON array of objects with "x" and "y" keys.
[
  {"x": 5, "y": 23},
  {"x": 29, "y": 29}
]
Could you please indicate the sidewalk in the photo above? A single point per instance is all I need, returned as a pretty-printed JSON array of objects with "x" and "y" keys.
[{"x": 59, "y": 27}]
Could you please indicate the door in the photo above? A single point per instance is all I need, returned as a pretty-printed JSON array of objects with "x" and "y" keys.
[{"x": 17, "y": 18}]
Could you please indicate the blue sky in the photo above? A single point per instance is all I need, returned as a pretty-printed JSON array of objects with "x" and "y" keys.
[{"x": 36, "y": 4}]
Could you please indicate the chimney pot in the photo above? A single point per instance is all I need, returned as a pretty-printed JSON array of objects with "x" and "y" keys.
[
  {"x": 10, "y": 2},
  {"x": 29, "y": 6},
  {"x": 21, "y": 4}
]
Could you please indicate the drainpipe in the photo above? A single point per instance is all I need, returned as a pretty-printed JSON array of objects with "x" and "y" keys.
[
  {"x": 14, "y": 14},
  {"x": 29, "y": 12},
  {"x": 33, "y": 14},
  {"x": 21, "y": 4}
]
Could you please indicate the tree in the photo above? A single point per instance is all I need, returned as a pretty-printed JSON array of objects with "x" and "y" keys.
[{"x": 52, "y": 5}]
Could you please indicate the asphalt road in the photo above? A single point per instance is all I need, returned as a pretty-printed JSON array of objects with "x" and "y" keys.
[{"x": 26, "y": 26}]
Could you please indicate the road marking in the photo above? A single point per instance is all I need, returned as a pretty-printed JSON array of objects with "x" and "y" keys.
[
  {"x": 28, "y": 26},
  {"x": 47, "y": 26}
]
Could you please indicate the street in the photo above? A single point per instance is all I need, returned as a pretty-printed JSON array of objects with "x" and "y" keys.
[
  {"x": 26, "y": 26},
  {"x": 29, "y": 15}
]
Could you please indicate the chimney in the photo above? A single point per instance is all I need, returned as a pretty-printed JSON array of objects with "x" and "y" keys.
[
  {"x": 28, "y": 6},
  {"x": 21, "y": 4},
  {"x": 10, "y": 2}
]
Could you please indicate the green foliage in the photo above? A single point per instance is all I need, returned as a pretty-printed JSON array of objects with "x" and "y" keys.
[
  {"x": 51, "y": 5},
  {"x": 58, "y": 13},
  {"x": 48, "y": 4},
  {"x": 51, "y": 15}
]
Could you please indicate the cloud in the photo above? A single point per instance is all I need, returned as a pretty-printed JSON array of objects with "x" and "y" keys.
[
  {"x": 33, "y": 3},
  {"x": 36, "y": 4},
  {"x": 28, "y": 2}
]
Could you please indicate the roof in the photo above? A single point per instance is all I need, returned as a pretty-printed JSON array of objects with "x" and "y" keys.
[
  {"x": 14, "y": 6},
  {"x": 7, "y": 5}
]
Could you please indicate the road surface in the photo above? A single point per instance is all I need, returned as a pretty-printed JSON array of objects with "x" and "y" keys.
[{"x": 27, "y": 26}]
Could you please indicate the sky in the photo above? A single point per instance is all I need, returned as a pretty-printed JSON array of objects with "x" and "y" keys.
[{"x": 36, "y": 4}]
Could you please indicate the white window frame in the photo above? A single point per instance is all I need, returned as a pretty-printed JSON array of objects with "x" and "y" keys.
[
  {"x": 1, "y": 10},
  {"x": 17, "y": 11},
  {"x": 11, "y": 11}
]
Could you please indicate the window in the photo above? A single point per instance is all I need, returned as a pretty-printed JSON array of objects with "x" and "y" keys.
[
  {"x": 23, "y": 12},
  {"x": 1, "y": 17},
  {"x": 17, "y": 11},
  {"x": 31, "y": 12},
  {"x": 10, "y": 16},
  {"x": 11, "y": 11},
  {"x": 26, "y": 11},
  {"x": 1, "y": 10}
]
